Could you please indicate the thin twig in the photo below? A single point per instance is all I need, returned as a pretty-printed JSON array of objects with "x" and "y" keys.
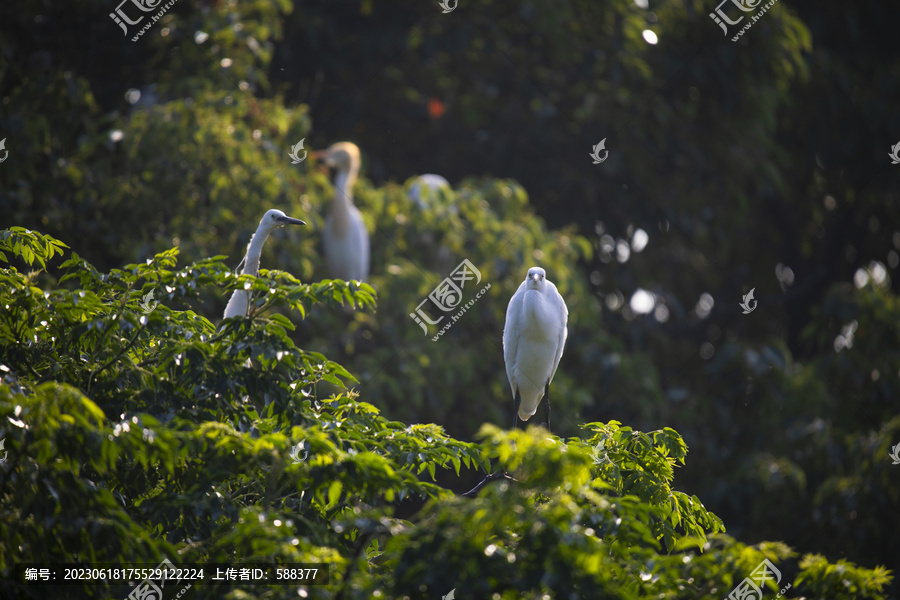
[
  {"x": 492, "y": 477},
  {"x": 115, "y": 358}
]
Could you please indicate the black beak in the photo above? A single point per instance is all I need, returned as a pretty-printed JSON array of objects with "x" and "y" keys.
[{"x": 291, "y": 221}]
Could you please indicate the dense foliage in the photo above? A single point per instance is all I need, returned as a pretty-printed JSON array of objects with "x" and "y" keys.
[{"x": 137, "y": 430}]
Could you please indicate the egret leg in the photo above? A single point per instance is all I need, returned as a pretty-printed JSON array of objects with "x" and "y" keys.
[
  {"x": 547, "y": 406},
  {"x": 518, "y": 401}
]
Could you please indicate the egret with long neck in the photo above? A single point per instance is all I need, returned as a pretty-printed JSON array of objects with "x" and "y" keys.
[
  {"x": 345, "y": 238},
  {"x": 239, "y": 303}
]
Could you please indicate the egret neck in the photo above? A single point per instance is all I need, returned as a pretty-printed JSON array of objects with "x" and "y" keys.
[
  {"x": 254, "y": 250},
  {"x": 343, "y": 199}
]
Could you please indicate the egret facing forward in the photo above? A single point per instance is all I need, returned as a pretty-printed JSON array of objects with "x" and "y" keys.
[
  {"x": 345, "y": 237},
  {"x": 533, "y": 340},
  {"x": 273, "y": 219}
]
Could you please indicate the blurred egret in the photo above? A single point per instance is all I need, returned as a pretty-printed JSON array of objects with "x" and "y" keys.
[
  {"x": 424, "y": 187},
  {"x": 533, "y": 340},
  {"x": 273, "y": 219},
  {"x": 425, "y": 193},
  {"x": 345, "y": 237}
]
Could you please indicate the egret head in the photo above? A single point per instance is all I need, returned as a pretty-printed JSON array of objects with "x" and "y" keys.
[
  {"x": 535, "y": 278},
  {"x": 275, "y": 218},
  {"x": 341, "y": 155}
]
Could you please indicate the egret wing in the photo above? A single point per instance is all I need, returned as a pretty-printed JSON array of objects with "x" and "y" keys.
[
  {"x": 564, "y": 333},
  {"x": 511, "y": 331}
]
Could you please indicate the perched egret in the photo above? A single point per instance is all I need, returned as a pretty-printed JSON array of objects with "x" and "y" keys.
[
  {"x": 425, "y": 193},
  {"x": 240, "y": 299},
  {"x": 424, "y": 187},
  {"x": 533, "y": 340},
  {"x": 345, "y": 237}
]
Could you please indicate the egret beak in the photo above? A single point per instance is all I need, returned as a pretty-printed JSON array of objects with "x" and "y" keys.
[
  {"x": 291, "y": 221},
  {"x": 321, "y": 155},
  {"x": 535, "y": 277}
]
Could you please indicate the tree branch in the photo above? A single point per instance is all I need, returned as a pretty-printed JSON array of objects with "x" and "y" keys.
[{"x": 492, "y": 477}]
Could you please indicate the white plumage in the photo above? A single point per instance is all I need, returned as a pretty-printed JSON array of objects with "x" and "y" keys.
[
  {"x": 345, "y": 238},
  {"x": 239, "y": 302},
  {"x": 424, "y": 187},
  {"x": 533, "y": 340}
]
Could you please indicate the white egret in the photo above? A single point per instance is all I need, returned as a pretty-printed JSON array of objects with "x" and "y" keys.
[
  {"x": 345, "y": 237},
  {"x": 273, "y": 219},
  {"x": 424, "y": 187},
  {"x": 425, "y": 193},
  {"x": 533, "y": 340}
]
